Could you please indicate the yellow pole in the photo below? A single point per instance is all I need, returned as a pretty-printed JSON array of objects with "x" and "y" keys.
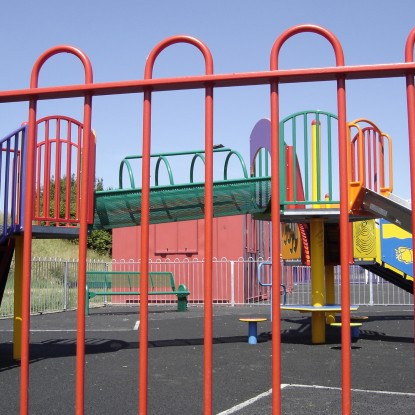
[
  {"x": 318, "y": 321},
  {"x": 18, "y": 280},
  {"x": 330, "y": 293},
  {"x": 315, "y": 157}
]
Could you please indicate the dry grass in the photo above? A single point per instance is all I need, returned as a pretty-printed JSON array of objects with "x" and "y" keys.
[{"x": 60, "y": 248}]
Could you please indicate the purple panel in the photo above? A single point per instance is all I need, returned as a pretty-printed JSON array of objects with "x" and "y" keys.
[
  {"x": 12, "y": 169},
  {"x": 260, "y": 138}
]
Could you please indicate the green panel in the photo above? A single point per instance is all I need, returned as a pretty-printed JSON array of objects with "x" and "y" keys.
[
  {"x": 128, "y": 279},
  {"x": 299, "y": 136},
  {"x": 162, "y": 280},
  {"x": 99, "y": 280},
  {"x": 121, "y": 208}
]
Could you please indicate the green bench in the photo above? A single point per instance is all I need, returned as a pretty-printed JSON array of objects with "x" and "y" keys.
[{"x": 128, "y": 283}]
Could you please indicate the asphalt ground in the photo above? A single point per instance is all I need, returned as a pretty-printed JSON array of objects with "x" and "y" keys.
[{"x": 382, "y": 363}]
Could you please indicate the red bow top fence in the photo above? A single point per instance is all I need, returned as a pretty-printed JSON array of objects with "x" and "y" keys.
[{"x": 208, "y": 82}]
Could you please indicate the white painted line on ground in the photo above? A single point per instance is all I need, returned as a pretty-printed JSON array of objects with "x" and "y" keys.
[
  {"x": 137, "y": 325},
  {"x": 246, "y": 403},
  {"x": 294, "y": 385}
]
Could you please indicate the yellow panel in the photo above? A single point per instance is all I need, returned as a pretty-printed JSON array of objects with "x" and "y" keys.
[
  {"x": 364, "y": 240},
  {"x": 389, "y": 230},
  {"x": 291, "y": 242},
  {"x": 311, "y": 309}
]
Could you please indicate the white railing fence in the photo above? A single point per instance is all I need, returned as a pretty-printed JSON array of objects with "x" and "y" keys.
[{"x": 54, "y": 284}]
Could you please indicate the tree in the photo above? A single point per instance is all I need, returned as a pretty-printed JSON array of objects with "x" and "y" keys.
[{"x": 98, "y": 240}]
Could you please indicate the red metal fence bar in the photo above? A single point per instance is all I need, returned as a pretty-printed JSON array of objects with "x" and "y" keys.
[
  {"x": 344, "y": 213},
  {"x": 375, "y": 71},
  {"x": 208, "y": 330},
  {"x": 410, "y": 93},
  {"x": 27, "y": 238}
]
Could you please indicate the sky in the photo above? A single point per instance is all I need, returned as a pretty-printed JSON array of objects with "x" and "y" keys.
[{"x": 118, "y": 36}]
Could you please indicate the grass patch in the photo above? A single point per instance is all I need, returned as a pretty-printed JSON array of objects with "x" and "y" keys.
[
  {"x": 53, "y": 261},
  {"x": 61, "y": 248}
]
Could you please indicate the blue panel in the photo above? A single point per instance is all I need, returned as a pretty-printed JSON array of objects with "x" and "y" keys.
[{"x": 396, "y": 250}]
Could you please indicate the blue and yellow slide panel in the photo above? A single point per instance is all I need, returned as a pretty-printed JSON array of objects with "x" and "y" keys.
[
  {"x": 384, "y": 249},
  {"x": 396, "y": 247}
]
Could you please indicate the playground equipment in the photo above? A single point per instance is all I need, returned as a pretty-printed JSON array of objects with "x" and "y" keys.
[
  {"x": 173, "y": 202},
  {"x": 57, "y": 144},
  {"x": 267, "y": 282},
  {"x": 309, "y": 135},
  {"x": 208, "y": 82},
  {"x": 354, "y": 329},
  {"x": 56, "y": 215},
  {"x": 386, "y": 250},
  {"x": 252, "y": 328},
  {"x": 301, "y": 187}
]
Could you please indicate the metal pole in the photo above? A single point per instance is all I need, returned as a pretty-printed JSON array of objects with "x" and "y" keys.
[
  {"x": 232, "y": 283},
  {"x": 370, "y": 277},
  {"x": 410, "y": 96},
  {"x": 65, "y": 287}
]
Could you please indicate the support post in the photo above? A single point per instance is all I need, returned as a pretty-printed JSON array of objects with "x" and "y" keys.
[
  {"x": 232, "y": 283},
  {"x": 318, "y": 319},
  {"x": 318, "y": 323},
  {"x": 316, "y": 160},
  {"x": 330, "y": 292},
  {"x": 18, "y": 280}
]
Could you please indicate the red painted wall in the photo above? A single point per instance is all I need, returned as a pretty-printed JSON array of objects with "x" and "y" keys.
[
  {"x": 182, "y": 240},
  {"x": 234, "y": 238}
]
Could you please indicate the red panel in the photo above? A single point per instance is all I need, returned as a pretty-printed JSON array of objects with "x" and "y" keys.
[
  {"x": 125, "y": 243},
  {"x": 176, "y": 238},
  {"x": 182, "y": 240},
  {"x": 187, "y": 238},
  {"x": 165, "y": 238},
  {"x": 228, "y": 237}
]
